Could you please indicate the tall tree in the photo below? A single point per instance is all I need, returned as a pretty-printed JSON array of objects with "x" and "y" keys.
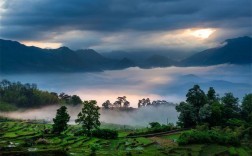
[
  {"x": 187, "y": 116},
  {"x": 61, "y": 120},
  {"x": 247, "y": 108},
  {"x": 230, "y": 106},
  {"x": 197, "y": 98},
  {"x": 216, "y": 115},
  {"x": 89, "y": 116},
  {"x": 211, "y": 95}
]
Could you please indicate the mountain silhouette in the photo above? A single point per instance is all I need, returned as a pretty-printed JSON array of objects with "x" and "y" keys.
[
  {"x": 16, "y": 57},
  {"x": 234, "y": 51}
]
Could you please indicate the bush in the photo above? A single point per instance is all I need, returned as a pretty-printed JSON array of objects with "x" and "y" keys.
[
  {"x": 105, "y": 133},
  {"x": 155, "y": 129},
  {"x": 80, "y": 132},
  {"x": 209, "y": 136}
]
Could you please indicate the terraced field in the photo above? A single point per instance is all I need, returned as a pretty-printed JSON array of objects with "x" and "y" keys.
[{"x": 27, "y": 138}]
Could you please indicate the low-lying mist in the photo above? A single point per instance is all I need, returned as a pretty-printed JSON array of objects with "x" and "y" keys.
[
  {"x": 170, "y": 84},
  {"x": 137, "y": 117}
]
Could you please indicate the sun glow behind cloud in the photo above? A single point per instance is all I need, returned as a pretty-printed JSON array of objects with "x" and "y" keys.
[
  {"x": 202, "y": 33},
  {"x": 42, "y": 44}
]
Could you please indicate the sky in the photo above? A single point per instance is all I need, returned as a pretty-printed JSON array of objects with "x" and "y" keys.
[{"x": 109, "y": 25}]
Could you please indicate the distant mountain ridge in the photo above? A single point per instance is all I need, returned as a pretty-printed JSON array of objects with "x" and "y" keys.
[
  {"x": 235, "y": 51},
  {"x": 16, "y": 57}
]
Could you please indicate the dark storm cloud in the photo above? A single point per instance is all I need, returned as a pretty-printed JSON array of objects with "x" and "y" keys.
[{"x": 31, "y": 19}]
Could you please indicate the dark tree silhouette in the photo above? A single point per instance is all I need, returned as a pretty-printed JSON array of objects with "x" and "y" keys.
[
  {"x": 75, "y": 100},
  {"x": 122, "y": 101},
  {"x": 61, "y": 120},
  {"x": 107, "y": 104}
]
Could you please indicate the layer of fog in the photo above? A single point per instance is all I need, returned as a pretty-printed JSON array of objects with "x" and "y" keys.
[
  {"x": 139, "y": 117},
  {"x": 169, "y": 83}
]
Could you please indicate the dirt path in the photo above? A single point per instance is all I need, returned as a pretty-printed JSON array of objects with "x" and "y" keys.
[
  {"x": 160, "y": 133},
  {"x": 163, "y": 142}
]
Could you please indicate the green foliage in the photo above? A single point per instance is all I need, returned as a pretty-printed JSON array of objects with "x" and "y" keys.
[
  {"x": 61, "y": 120},
  {"x": 234, "y": 122},
  {"x": 230, "y": 107},
  {"x": 246, "y": 108},
  {"x": 154, "y": 124},
  {"x": 196, "y": 97},
  {"x": 6, "y": 107},
  {"x": 212, "y": 96},
  {"x": 94, "y": 147},
  {"x": 205, "y": 113},
  {"x": 208, "y": 137},
  {"x": 105, "y": 133},
  {"x": 89, "y": 116},
  {"x": 190, "y": 110},
  {"x": 25, "y": 95},
  {"x": 216, "y": 109},
  {"x": 200, "y": 108},
  {"x": 75, "y": 100},
  {"x": 187, "y": 116},
  {"x": 155, "y": 129}
]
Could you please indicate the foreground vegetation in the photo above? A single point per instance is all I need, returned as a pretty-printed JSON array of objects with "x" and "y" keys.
[
  {"x": 207, "y": 125},
  {"x": 25, "y": 137}
]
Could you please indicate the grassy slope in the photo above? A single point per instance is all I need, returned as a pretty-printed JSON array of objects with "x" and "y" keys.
[{"x": 13, "y": 136}]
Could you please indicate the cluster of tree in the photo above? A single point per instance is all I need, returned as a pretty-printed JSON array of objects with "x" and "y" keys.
[
  {"x": 209, "y": 108},
  {"x": 121, "y": 102},
  {"x": 28, "y": 95},
  {"x": 146, "y": 102},
  {"x": 68, "y": 99},
  {"x": 88, "y": 118},
  {"x": 25, "y": 95}
]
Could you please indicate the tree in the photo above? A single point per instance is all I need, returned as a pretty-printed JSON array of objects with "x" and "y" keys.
[
  {"x": 187, "y": 117},
  {"x": 205, "y": 113},
  {"x": 144, "y": 102},
  {"x": 246, "y": 108},
  {"x": 216, "y": 114},
  {"x": 65, "y": 97},
  {"x": 211, "y": 95},
  {"x": 197, "y": 98},
  {"x": 122, "y": 101},
  {"x": 89, "y": 116},
  {"x": 107, "y": 104},
  {"x": 154, "y": 124},
  {"x": 61, "y": 120},
  {"x": 230, "y": 106},
  {"x": 75, "y": 100}
]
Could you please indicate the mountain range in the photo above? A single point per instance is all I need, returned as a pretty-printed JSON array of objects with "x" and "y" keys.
[{"x": 16, "y": 57}]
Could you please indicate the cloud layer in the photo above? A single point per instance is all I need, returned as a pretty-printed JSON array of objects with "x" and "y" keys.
[
  {"x": 113, "y": 23},
  {"x": 169, "y": 83}
]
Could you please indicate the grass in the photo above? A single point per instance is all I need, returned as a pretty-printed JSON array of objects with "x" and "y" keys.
[{"x": 19, "y": 137}]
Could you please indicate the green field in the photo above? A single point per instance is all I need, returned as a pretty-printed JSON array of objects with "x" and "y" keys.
[{"x": 24, "y": 138}]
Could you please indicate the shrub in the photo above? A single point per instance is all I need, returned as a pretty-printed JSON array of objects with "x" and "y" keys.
[
  {"x": 105, "y": 133},
  {"x": 209, "y": 136},
  {"x": 154, "y": 124}
]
